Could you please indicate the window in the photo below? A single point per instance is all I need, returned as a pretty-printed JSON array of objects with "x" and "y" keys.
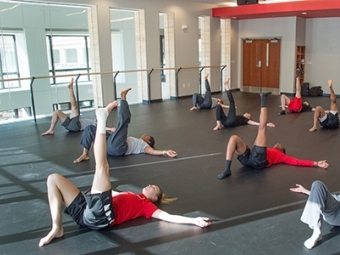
[
  {"x": 8, "y": 62},
  {"x": 68, "y": 55}
]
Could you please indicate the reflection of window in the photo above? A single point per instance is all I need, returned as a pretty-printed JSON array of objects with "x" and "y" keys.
[
  {"x": 56, "y": 56},
  {"x": 70, "y": 55},
  {"x": 8, "y": 62}
]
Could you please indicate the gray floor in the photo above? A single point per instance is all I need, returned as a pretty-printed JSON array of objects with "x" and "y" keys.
[{"x": 253, "y": 212}]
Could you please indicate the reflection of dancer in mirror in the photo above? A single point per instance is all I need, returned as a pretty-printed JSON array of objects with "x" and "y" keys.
[
  {"x": 327, "y": 118},
  {"x": 321, "y": 204},
  {"x": 206, "y": 102},
  {"x": 233, "y": 120},
  {"x": 295, "y": 104},
  {"x": 101, "y": 207},
  {"x": 118, "y": 142},
  {"x": 260, "y": 156},
  {"x": 73, "y": 123}
]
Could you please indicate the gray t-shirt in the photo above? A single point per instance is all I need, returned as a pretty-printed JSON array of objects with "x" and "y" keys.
[
  {"x": 214, "y": 102},
  {"x": 87, "y": 122},
  {"x": 135, "y": 145}
]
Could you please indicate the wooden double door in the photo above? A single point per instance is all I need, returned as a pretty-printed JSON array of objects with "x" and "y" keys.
[{"x": 261, "y": 63}]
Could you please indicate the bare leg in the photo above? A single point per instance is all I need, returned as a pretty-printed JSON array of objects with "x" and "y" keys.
[
  {"x": 59, "y": 190},
  {"x": 235, "y": 144},
  {"x": 101, "y": 179},
  {"x": 57, "y": 115},
  {"x": 74, "y": 105},
  {"x": 318, "y": 113},
  {"x": 284, "y": 101},
  {"x": 298, "y": 87},
  {"x": 333, "y": 107},
  {"x": 83, "y": 157},
  {"x": 261, "y": 138}
]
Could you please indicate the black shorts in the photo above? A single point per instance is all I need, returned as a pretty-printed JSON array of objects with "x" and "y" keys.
[
  {"x": 72, "y": 125},
  {"x": 92, "y": 210},
  {"x": 331, "y": 121},
  {"x": 98, "y": 212},
  {"x": 255, "y": 158},
  {"x": 76, "y": 209}
]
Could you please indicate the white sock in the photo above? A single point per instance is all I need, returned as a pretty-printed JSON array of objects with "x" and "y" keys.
[
  {"x": 312, "y": 241},
  {"x": 102, "y": 114}
]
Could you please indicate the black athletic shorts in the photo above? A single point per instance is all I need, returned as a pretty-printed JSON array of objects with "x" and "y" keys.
[
  {"x": 72, "y": 125},
  {"x": 98, "y": 212},
  {"x": 331, "y": 121},
  {"x": 255, "y": 158},
  {"x": 76, "y": 209},
  {"x": 92, "y": 210}
]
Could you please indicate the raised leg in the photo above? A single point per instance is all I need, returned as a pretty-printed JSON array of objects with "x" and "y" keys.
[
  {"x": 333, "y": 107},
  {"x": 261, "y": 138},
  {"x": 74, "y": 105}
]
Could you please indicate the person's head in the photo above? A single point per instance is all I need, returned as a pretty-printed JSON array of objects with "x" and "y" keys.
[
  {"x": 149, "y": 140},
  {"x": 247, "y": 115},
  {"x": 280, "y": 147},
  {"x": 306, "y": 103},
  {"x": 156, "y": 195},
  {"x": 219, "y": 100}
]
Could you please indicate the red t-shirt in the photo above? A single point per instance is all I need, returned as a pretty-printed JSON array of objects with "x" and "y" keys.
[
  {"x": 128, "y": 206},
  {"x": 275, "y": 156}
]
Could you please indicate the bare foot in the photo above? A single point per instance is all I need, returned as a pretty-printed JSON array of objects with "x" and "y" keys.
[
  {"x": 218, "y": 127},
  {"x": 330, "y": 83},
  {"x": 48, "y": 132},
  {"x": 193, "y": 108},
  {"x": 70, "y": 85},
  {"x": 54, "y": 233},
  {"x": 111, "y": 129},
  {"x": 112, "y": 105},
  {"x": 226, "y": 83},
  {"x": 206, "y": 76},
  {"x": 123, "y": 93},
  {"x": 83, "y": 157},
  {"x": 313, "y": 129}
]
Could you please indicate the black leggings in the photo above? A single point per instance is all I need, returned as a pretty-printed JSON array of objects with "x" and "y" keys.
[
  {"x": 206, "y": 102},
  {"x": 230, "y": 120}
]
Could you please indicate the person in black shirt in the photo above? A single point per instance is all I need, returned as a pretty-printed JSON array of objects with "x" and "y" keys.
[{"x": 233, "y": 120}]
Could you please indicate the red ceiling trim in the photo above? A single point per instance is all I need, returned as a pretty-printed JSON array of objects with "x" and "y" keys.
[{"x": 314, "y": 8}]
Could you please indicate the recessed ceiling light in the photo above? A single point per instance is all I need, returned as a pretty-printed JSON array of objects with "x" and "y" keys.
[{"x": 304, "y": 13}]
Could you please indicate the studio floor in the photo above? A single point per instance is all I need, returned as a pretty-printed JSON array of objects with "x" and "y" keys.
[{"x": 253, "y": 211}]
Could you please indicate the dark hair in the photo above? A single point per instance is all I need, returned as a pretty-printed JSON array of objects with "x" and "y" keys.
[
  {"x": 281, "y": 147},
  {"x": 151, "y": 142}
]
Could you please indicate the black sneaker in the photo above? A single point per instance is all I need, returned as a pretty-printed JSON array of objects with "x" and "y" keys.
[{"x": 282, "y": 113}]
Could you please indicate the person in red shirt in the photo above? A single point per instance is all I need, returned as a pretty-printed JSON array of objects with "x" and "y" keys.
[
  {"x": 260, "y": 156},
  {"x": 295, "y": 104},
  {"x": 101, "y": 207}
]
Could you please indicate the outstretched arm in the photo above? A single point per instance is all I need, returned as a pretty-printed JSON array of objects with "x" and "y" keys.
[
  {"x": 300, "y": 189},
  {"x": 198, "y": 221},
  {"x": 151, "y": 151},
  {"x": 254, "y": 123}
]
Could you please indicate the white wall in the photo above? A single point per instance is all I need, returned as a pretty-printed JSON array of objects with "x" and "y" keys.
[{"x": 322, "y": 52}]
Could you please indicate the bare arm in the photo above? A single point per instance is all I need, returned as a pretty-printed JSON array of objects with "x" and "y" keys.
[
  {"x": 114, "y": 193},
  {"x": 254, "y": 123},
  {"x": 300, "y": 189},
  {"x": 151, "y": 151},
  {"x": 224, "y": 105},
  {"x": 198, "y": 221}
]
